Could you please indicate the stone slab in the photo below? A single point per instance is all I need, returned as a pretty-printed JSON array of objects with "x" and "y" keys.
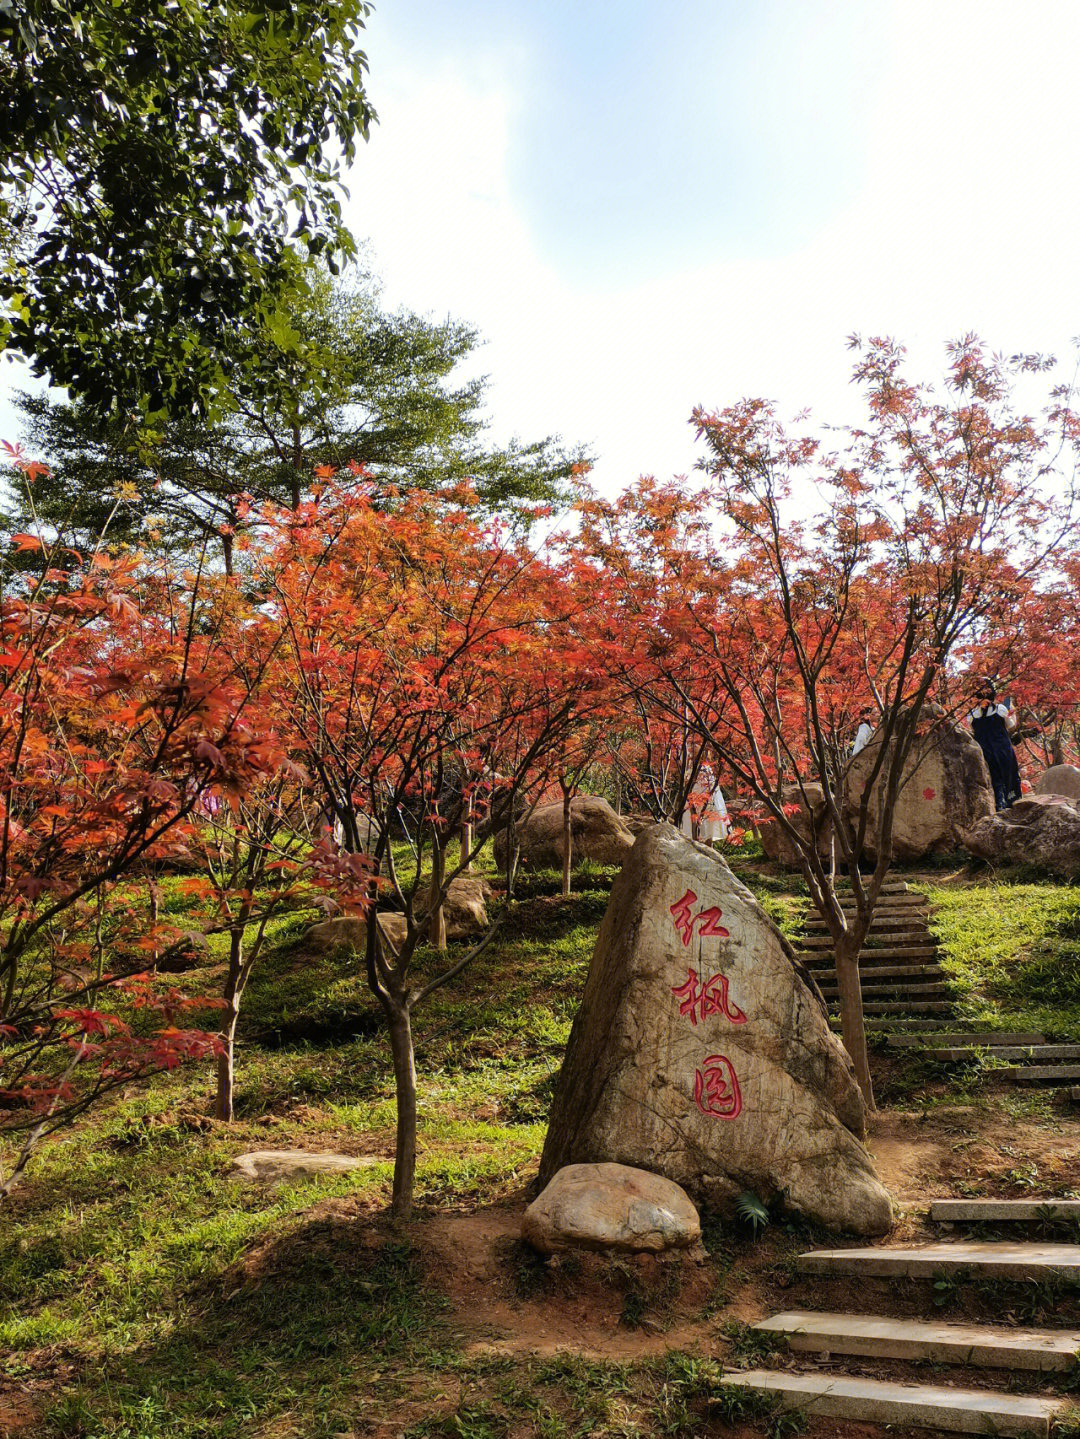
[
  {"x": 904, "y": 1006},
  {"x": 874, "y": 1337},
  {"x": 1009, "y": 1051},
  {"x": 1044, "y": 1073},
  {"x": 902, "y": 951},
  {"x": 990, "y": 1038},
  {"x": 890, "y": 940},
  {"x": 910, "y": 917},
  {"x": 874, "y": 1401},
  {"x": 280, "y": 1166},
  {"x": 986, "y": 1211},
  {"x": 891, "y": 971},
  {"x": 1002, "y": 1260}
]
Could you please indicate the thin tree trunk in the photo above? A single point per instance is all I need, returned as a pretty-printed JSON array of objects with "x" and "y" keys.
[
  {"x": 568, "y": 839},
  {"x": 437, "y": 918},
  {"x": 466, "y": 842},
  {"x": 223, "y": 1105},
  {"x": 223, "y": 1102},
  {"x": 852, "y": 1022},
  {"x": 401, "y": 1046}
]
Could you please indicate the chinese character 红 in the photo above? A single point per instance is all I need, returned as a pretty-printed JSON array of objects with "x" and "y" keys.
[{"x": 684, "y": 920}]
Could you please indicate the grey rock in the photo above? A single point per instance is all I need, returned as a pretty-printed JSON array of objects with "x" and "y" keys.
[
  {"x": 279, "y": 1166},
  {"x": 596, "y": 833},
  {"x": 710, "y": 1061},
  {"x": 944, "y": 791},
  {"x": 1039, "y": 829},
  {"x": 1063, "y": 779},
  {"x": 611, "y": 1206}
]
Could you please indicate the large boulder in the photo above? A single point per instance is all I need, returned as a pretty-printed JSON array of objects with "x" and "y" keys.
[
  {"x": 1038, "y": 829},
  {"x": 596, "y": 833},
  {"x": 1063, "y": 779},
  {"x": 945, "y": 790},
  {"x": 613, "y": 1207},
  {"x": 703, "y": 1052}
]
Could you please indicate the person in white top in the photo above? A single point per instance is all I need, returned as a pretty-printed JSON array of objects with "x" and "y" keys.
[
  {"x": 713, "y": 820},
  {"x": 864, "y": 732}
]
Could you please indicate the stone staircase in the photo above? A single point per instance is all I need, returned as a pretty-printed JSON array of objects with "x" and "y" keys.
[
  {"x": 906, "y": 994},
  {"x": 1006, "y": 1378}
]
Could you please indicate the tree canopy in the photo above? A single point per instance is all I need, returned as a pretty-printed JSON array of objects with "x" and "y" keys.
[
  {"x": 165, "y": 167},
  {"x": 359, "y": 384}
]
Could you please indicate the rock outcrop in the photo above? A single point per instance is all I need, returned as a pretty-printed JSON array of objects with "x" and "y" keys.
[
  {"x": 944, "y": 791},
  {"x": 1039, "y": 829},
  {"x": 1063, "y": 779},
  {"x": 596, "y": 833},
  {"x": 702, "y": 1052},
  {"x": 611, "y": 1207}
]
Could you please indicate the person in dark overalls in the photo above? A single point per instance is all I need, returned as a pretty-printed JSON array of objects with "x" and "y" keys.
[{"x": 990, "y": 724}]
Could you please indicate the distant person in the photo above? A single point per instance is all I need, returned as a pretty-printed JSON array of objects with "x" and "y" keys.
[
  {"x": 864, "y": 732},
  {"x": 991, "y": 721}
]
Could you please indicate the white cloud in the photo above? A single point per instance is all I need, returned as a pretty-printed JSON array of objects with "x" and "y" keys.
[{"x": 966, "y": 220}]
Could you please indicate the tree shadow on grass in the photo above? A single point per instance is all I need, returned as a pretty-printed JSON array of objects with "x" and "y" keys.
[{"x": 303, "y": 1324}]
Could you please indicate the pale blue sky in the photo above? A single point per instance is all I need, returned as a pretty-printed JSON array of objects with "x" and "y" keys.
[{"x": 644, "y": 207}]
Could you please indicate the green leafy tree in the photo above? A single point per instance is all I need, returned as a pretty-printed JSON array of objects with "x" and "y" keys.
[
  {"x": 352, "y": 383},
  {"x": 175, "y": 160}
]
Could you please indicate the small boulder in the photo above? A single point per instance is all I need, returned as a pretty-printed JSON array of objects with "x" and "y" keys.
[
  {"x": 342, "y": 931},
  {"x": 1038, "y": 829},
  {"x": 944, "y": 790},
  {"x": 465, "y": 905},
  {"x": 611, "y": 1206},
  {"x": 281, "y": 1166},
  {"x": 1063, "y": 779},
  {"x": 346, "y": 931},
  {"x": 811, "y": 814},
  {"x": 596, "y": 833},
  {"x": 702, "y": 1051}
]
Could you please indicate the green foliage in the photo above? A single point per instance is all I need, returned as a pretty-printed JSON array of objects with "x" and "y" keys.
[
  {"x": 171, "y": 162},
  {"x": 752, "y": 1211},
  {"x": 1012, "y": 950},
  {"x": 359, "y": 385}
]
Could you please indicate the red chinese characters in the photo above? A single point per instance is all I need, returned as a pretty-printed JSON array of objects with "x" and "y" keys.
[
  {"x": 716, "y": 1089},
  {"x": 709, "y": 919},
  {"x": 699, "y": 1000}
]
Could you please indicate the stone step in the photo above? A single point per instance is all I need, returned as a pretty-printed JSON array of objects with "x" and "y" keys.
[
  {"x": 872, "y": 1337},
  {"x": 889, "y": 887},
  {"x": 889, "y": 1025},
  {"x": 907, "y": 1006},
  {"x": 901, "y": 936},
  {"x": 928, "y": 1406},
  {"x": 1001, "y": 1260},
  {"x": 900, "y": 989},
  {"x": 883, "y": 955},
  {"x": 1043, "y": 1073},
  {"x": 880, "y": 972},
  {"x": 1008, "y": 1051},
  {"x": 891, "y": 920},
  {"x": 990, "y": 1038},
  {"x": 993, "y": 1211}
]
